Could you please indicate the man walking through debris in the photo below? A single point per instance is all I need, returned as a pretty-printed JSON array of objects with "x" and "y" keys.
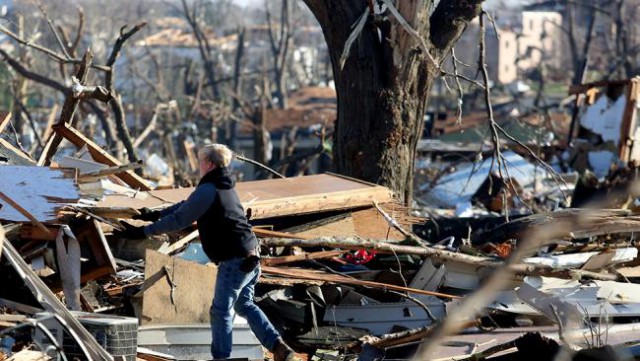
[{"x": 228, "y": 241}]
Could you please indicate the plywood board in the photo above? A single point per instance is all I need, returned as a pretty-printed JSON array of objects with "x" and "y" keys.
[
  {"x": 193, "y": 293},
  {"x": 279, "y": 197},
  {"x": 343, "y": 227},
  {"x": 370, "y": 224},
  {"x": 41, "y": 191},
  {"x": 100, "y": 155}
]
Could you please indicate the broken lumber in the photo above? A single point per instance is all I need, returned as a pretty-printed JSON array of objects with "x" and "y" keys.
[
  {"x": 405, "y": 337},
  {"x": 326, "y": 277},
  {"x": 111, "y": 212},
  {"x": 50, "y": 302},
  {"x": 261, "y": 232},
  {"x": 356, "y": 243},
  {"x": 5, "y": 118},
  {"x": 17, "y": 152},
  {"x": 100, "y": 155},
  {"x": 277, "y": 197},
  {"x": 91, "y": 176},
  {"x": 179, "y": 244},
  {"x": 68, "y": 111},
  {"x": 577, "y": 223},
  {"x": 24, "y": 212},
  {"x": 272, "y": 261}
]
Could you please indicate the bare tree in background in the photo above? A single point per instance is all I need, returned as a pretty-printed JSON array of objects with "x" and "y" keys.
[
  {"x": 194, "y": 16},
  {"x": 280, "y": 47}
]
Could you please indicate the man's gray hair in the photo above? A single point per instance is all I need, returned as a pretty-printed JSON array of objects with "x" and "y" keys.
[{"x": 218, "y": 154}]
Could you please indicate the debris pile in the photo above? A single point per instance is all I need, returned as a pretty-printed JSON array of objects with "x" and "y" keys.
[{"x": 346, "y": 271}]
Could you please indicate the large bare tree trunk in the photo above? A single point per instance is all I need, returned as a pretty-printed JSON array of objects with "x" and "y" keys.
[{"x": 383, "y": 88}]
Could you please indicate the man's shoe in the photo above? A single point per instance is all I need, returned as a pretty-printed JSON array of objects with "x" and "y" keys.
[{"x": 282, "y": 352}]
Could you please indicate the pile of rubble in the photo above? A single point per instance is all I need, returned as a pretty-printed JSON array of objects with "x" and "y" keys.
[{"x": 347, "y": 271}]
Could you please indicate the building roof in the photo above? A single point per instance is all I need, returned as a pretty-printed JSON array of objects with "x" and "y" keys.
[
  {"x": 308, "y": 106},
  {"x": 183, "y": 38}
]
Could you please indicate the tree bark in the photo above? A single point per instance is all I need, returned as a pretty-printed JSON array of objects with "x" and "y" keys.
[{"x": 383, "y": 88}]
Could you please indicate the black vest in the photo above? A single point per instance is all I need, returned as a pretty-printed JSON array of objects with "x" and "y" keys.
[{"x": 224, "y": 230}]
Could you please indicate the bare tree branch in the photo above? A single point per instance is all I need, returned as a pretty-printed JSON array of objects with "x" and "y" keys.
[{"x": 63, "y": 47}]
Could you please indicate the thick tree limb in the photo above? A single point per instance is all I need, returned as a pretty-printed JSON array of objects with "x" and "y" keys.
[
  {"x": 15, "y": 65},
  {"x": 449, "y": 20},
  {"x": 116, "y": 101}
]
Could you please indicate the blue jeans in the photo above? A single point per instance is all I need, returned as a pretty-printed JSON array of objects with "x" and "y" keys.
[{"x": 234, "y": 289}]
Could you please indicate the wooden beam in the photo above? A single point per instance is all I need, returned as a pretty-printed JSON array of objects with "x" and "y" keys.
[
  {"x": 16, "y": 151},
  {"x": 91, "y": 233},
  {"x": 29, "y": 231},
  {"x": 5, "y": 118},
  {"x": 191, "y": 155},
  {"x": 316, "y": 203},
  {"x": 100, "y": 155},
  {"x": 628, "y": 126},
  {"x": 581, "y": 88},
  {"x": 1, "y": 240},
  {"x": 24, "y": 212},
  {"x": 50, "y": 120},
  {"x": 68, "y": 111},
  {"x": 109, "y": 171},
  {"x": 323, "y": 276},
  {"x": 272, "y": 261},
  {"x": 261, "y": 232},
  {"x": 112, "y": 212},
  {"x": 180, "y": 243}
]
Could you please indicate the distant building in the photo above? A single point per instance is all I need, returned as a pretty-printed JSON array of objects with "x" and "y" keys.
[
  {"x": 501, "y": 53},
  {"x": 540, "y": 39}
]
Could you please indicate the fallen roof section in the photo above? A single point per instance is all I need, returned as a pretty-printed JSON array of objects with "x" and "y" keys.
[
  {"x": 278, "y": 197},
  {"x": 41, "y": 191}
]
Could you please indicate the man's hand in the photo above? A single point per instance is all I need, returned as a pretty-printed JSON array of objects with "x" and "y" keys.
[
  {"x": 147, "y": 215},
  {"x": 131, "y": 232}
]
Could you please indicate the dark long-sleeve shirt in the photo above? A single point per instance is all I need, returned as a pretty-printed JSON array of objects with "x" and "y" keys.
[{"x": 184, "y": 213}]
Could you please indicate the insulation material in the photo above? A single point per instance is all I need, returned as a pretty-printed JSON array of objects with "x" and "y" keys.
[
  {"x": 460, "y": 186},
  {"x": 604, "y": 117}
]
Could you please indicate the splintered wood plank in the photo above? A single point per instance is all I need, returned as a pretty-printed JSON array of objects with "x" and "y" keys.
[
  {"x": 273, "y": 261},
  {"x": 100, "y": 155},
  {"x": 41, "y": 191},
  {"x": 280, "y": 197},
  {"x": 17, "y": 152},
  {"x": 313, "y": 275},
  {"x": 90, "y": 232},
  {"x": 5, "y": 118},
  {"x": 192, "y": 295},
  {"x": 23, "y": 211}
]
